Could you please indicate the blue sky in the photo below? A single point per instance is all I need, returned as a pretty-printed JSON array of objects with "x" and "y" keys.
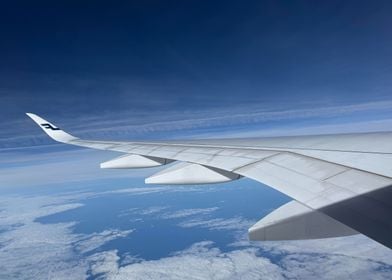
[
  {"x": 161, "y": 69},
  {"x": 171, "y": 70}
]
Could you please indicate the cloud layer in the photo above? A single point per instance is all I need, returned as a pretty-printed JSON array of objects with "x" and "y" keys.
[
  {"x": 204, "y": 260},
  {"x": 40, "y": 250}
]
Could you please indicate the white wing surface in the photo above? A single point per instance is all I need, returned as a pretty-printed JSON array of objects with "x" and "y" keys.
[{"x": 340, "y": 184}]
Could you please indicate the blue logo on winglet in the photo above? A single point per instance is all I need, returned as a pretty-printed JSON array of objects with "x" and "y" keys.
[{"x": 49, "y": 126}]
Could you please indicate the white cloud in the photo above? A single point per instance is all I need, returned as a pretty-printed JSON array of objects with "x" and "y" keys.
[
  {"x": 200, "y": 261},
  {"x": 162, "y": 189},
  {"x": 104, "y": 264},
  {"x": 204, "y": 261},
  {"x": 38, "y": 251},
  {"x": 87, "y": 243},
  {"x": 30, "y": 249},
  {"x": 152, "y": 210},
  {"x": 353, "y": 246},
  {"x": 33, "y": 250},
  {"x": 20, "y": 210},
  {"x": 356, "y": 256},
  {"x": 184, "y": 213},
  {"x": 164, "y": 213},
  {"x": 235, "y": 223},
  {"x": 139, "y": 190}
]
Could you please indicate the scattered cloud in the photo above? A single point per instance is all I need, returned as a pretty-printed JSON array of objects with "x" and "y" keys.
[
  {"x": 30, "y": 249},
  {"x": 139, "y": 191},
  {"x": 104, "y": 265},
  {"x": 308, "y": 129},
  {"x": 152, "y": 210},
  {"x": 194, "y": 123},
  {"x": 165, "y": 213},
  {"x": 184, "y": 213},
  {"x": 187, "y": 264},
  {"x": 33, "y": 249},
  {"x": 236, "y": 223},
  {"x": 88, "y": 243},
  {"x": 250, "y": 263}
]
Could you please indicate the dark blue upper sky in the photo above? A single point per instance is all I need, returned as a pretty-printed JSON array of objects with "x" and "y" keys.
[{"x": 80, "y": 58}]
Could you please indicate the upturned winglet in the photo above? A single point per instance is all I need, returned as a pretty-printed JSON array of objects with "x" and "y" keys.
[{"x": 53, "y": 131}]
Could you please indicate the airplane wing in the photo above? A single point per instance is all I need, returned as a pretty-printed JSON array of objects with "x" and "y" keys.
[{"x": 340, "y": 184}]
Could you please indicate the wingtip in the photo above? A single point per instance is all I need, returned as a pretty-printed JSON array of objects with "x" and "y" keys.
[
  {"x": 50, "y": 129},
  {"x": 30, "y": 114},
  {"x": 35, "y": 118}
]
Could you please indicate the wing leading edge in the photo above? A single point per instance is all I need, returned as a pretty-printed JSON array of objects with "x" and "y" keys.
[{"x": 340, "y": 185}]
